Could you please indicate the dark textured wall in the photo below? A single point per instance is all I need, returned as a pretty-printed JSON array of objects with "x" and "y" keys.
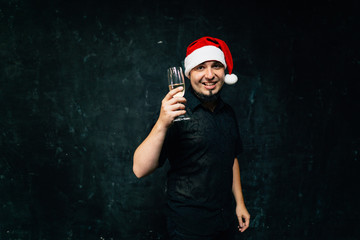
[{"x": 80, "y": 82}]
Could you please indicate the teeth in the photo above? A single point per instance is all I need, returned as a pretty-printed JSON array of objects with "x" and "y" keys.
[{"x": 209, "y": 84}]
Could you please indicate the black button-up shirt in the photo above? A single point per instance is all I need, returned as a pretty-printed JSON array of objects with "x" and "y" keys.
[{"x": 201, "y": 154}]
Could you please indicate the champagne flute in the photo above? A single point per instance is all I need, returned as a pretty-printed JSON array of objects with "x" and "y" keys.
[{"x": 176, "y": 79}]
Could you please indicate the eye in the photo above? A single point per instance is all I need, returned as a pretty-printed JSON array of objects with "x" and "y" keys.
[
  {"x": 217, "y": 65},
  {"x": 199, "y": 67}
]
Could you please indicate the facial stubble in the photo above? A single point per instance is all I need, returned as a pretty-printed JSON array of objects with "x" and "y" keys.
[{"x": 211, "y": 97}]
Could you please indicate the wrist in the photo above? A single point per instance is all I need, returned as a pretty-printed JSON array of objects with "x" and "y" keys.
[
  {"x": 160, "y": 126},
  {"x": 240, "y": 204}
]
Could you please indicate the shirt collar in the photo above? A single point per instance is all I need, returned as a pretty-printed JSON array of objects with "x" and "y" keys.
[{"x": 193, "y": 102}]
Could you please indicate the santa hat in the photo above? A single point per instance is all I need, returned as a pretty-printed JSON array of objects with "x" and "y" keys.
[{"x": 209, "y": 49}]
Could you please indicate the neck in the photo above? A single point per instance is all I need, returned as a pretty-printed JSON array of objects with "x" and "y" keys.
[
  {"x": 210, "y": 105},
  {"x": 208, "y": 102}
]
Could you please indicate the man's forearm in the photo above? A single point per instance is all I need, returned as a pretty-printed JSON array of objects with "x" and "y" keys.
[
  {"x": 241, "y": 211},
  {"x": 146, "y": 156},
  {"x": 236, "y": 187}
]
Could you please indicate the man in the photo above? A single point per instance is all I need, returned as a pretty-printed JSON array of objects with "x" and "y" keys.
[{"x": 204, "y": 176}]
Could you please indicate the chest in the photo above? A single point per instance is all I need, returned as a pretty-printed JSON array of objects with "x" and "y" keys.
[{"x": 207, "y": 131}]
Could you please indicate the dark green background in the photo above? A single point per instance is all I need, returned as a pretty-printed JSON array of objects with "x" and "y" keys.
[{"x": 80, "y": 82}]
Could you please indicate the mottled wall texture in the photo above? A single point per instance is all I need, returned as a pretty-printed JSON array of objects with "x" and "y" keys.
[{"x": 81, "y": 81}]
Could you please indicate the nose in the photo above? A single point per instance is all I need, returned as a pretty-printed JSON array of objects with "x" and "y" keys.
[{"x": 209, "y": 73}]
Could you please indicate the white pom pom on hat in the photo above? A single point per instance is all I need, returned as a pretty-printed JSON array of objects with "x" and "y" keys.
[
  {"x": 230, "y": 79},
  {"x": 209, "y": 49}
]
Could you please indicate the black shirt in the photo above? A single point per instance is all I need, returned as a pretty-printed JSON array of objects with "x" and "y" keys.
[{"x": 201, "y": 154}]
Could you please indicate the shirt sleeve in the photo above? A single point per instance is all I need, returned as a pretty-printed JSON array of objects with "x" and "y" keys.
[
  {"x": 239, "y": 149},
  {"x": 163, "y": 154},
  {"x": 239, "y": 145}
]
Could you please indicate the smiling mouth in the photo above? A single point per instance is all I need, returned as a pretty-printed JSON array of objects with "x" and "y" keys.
[{"x": 209, "y": 84}]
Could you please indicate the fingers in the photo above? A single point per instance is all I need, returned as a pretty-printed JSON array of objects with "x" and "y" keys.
[
  {"x": 173, "y": 92},
  {"x": 242, "y": 229},
  {"x": 175, "y": 100},
  {"x": 177, "y": 106},
  {"x": 170, "y": 112},
  {"x": 172, "y": 107},
  {"x": 174, "y": 104},
  {"x": 243, "y": 223},
  {"x": 179, "y": 113},
  {"x": 171, "y": 103},
  {"x": 247, "y": 222}
]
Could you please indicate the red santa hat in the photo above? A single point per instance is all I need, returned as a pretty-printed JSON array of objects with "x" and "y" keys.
[{"x": 209, "y": 49}]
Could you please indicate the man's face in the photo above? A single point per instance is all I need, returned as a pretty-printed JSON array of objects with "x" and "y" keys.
[{"x": 207, "y": 78}]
